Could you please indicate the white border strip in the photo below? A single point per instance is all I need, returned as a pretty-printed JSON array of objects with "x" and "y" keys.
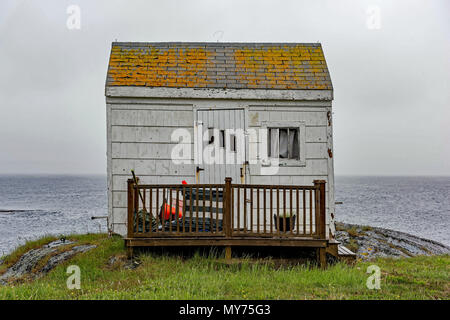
[{"x": 209, "y": 93}]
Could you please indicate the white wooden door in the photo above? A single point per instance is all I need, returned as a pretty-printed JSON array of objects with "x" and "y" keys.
[{"x": 222, "y": 132}]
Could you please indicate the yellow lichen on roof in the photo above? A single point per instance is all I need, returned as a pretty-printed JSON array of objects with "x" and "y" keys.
[
  {"x": 215, "y": 65},
  {"x": 159, "y": 68},
  {"x": 281, "y": 67}
]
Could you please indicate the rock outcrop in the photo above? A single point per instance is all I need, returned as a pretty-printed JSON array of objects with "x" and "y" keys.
[
  {"x": 371, "y": 242},
  {"x": 25, "y": 266}
]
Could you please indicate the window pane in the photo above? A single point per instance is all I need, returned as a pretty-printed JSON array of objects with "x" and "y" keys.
[
  {"x": 222, "y": 138},
  {"x": 294, "y": 151},
  {"x": 284, "y": 143},
  {"x": 211, "y": 135},
  {"x": 273, "y": 147},
  {"x": 232, "y": 142}
]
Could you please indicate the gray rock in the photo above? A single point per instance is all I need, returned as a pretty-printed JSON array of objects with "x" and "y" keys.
[
  {"x": 63, "y": 256},
  {"x": 26, "y": 263},
  {"x": 29, "y": 260},
  {"x": 379, "y": 242},
  {"x": 112, "y": 260}
]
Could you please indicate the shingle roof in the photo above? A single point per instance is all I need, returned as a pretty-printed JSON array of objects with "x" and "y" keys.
[{"x": 294, "y": 66}]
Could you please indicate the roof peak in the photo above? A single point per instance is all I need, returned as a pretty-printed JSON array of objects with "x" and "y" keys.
[{"x": 216, "y": 44}]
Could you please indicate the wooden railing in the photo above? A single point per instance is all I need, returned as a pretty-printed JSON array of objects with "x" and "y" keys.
[{"x": 226, "y": 210}]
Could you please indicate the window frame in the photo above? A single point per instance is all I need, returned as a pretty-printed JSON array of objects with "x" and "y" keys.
[{"x": 301, "y": 130}]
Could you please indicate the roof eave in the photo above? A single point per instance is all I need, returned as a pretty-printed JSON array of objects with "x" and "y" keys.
[{"x": 213, "y": 93}]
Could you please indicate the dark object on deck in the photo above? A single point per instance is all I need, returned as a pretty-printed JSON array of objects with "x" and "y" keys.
[
  {"x": 284, "y": 224},
  {"x": 190, "y": 224},
  {"x": 187, "y": 225},
  {"x": 139, "y": 222}
]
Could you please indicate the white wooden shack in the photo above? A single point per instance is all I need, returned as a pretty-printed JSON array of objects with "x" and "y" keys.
[{"x": 153, "y": 89}]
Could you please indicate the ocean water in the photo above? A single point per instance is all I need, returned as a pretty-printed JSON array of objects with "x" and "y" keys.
[
  {"x": 45, "y": 205},
  {"x": 33, "y": 206},
  {"x": 416, "y": 205}
]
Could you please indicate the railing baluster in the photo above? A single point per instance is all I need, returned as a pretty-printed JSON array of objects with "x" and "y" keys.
[
  {"x": 177, "y": 209},
  {"x": 297, "y": 210},
  {"x": 184, "y": 208},
  {"x": 251, "y": 210},
  {"x": 164, "y": 210},
  {"x": 232, "y": 211},
  {"x": 278, "y": 210},
  {"x": 217, "y": 210},
  {"x": 291, "y": 221},
  {"x": 310, "y": 212},
  {"x": 211, "y": 214},
  {"x": 196, "y": 210},
  {"x": 157, "y": 210},
  {"x": 245, "y": 209},
  {"x": 304, "y": 212},
  {"x": 257, "y": 210},
  {"x": 204, "y": 204},
  {"x": 150, "y": 206},
  {"x": 191, "y": 208},
  {"x": 170, "y": 209},
  {"x": 238, "y": 207},
  {"x": 271, "y": 210},
  {"x": 284, "y": 210},
  {"x": 265, "y": 219},
  {"x": 144, "y": 210}
]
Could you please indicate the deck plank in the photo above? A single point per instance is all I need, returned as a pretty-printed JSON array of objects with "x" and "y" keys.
[{"x": 222, "y": 241}]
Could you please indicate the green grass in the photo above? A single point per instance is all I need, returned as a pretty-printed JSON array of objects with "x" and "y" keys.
[{"x": 208, "y": 277}]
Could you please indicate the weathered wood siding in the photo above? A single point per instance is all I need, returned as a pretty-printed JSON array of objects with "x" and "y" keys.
[
  {"x": 318, "y": 131},
  {"x": 139, "y": 136}
]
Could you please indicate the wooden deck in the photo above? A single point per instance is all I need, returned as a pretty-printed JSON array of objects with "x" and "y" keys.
[
  {"x": 217, "y": 241},
  {"x": 227, "y": 215}
]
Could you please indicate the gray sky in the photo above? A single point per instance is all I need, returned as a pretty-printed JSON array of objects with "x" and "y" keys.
[{"x": 392, "y": 84}]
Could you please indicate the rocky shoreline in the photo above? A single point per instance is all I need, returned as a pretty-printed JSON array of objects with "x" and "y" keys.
[
  {"x": 51, "y": 254},
  {"x": 373, "y": 242}
]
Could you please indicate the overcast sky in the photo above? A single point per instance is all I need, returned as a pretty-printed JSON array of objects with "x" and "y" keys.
[{"x": 391, "y": 75}]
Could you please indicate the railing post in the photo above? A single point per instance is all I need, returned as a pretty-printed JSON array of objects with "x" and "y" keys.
[
  {"x": 322, "y": 208},
  {"x": 130, "y": 184},
  {"x": 227, "y": 207}
]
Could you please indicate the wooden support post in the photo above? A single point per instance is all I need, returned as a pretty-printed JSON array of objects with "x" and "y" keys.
[
  {"x": 322, "y": 208},
  {"x": 130, "y": 252},
  {"x": 322, "y": 257},
  {"x": 228, "y": 253}
]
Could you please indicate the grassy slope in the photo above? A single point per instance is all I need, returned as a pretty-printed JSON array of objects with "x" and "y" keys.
[{"x": 169, "y": 277}]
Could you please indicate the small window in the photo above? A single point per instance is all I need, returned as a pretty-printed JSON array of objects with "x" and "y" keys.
[
  {"x": 211, "y": 135},
  {"x": 222, "y": 138},
  {"x": 284, "y": 143},
  {"x": 232, "y": 142}
]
